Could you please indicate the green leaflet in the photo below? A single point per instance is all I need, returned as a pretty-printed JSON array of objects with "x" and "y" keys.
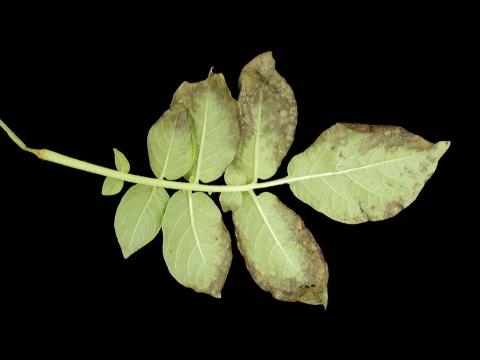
[
  {"x": 111, "y": 186},
  {"x": 268, "y": 117},
  {"x": 214, "y": 117},
  {"x": 139, "y": 217},
  {"x": 170, "y": 147},
  {"x": 232, "y": 200},
  {"x": 114, "y": 186},
  {"x": 196, "y": 244},
  {"x": 354, "y": 173},
  {"x": 280, "y": 252}
]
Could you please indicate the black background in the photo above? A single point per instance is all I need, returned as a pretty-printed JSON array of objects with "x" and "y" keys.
[{"x": 85, "y": 81}]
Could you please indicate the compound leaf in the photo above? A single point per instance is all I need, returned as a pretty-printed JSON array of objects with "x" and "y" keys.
[{"x": 355, "y": 173}]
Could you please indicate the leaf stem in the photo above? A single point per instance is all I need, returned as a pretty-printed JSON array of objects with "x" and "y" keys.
[{"x": 64, "y": 160}]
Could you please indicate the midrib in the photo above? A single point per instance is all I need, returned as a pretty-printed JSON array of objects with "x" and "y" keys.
[
  {"x": 140, "y": 217},
  {"x": 168, "y": 150},
  {"x": 257, "y": 138},
  {"x": 194, "y": 229},
  {"x": 267, "y": 223},
  {"x": 341, "y": 172},
  {"x": 202, "y": 142}
]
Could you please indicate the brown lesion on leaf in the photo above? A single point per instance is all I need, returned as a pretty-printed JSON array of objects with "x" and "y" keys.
[
  {"x": 192, "y": 95},
  {"x": 391, "y": 137},
  {"x": 399, "y": 144},
  {"x": 432, "y": 159},
  {"x": 188, "y": 92},
  {"x": 261, "y": 85},
  {"x": 221, "y": 271},
  {"x": 393, "y": 208},
  {"x": 313, "y": 290},
  {"x": 423, "y": 167},
  {"x": 180, "y": 115},
  {"x": 216, "y": 286}
]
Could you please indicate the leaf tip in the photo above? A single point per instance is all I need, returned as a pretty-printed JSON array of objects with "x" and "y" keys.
[
  {"x": 319, "y": 298},
  {"x": 445, "y": 144},
  {"x": 441, "y": 147},
  {"x": 323, "y": 299},
  {"x": 126, "y": 253}
]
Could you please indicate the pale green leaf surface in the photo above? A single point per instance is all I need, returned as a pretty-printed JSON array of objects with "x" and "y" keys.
[
  {"x": 232, "y": 200},
  {"x": 121, "y": 162},
  {"x": 139, "y": 217},
  {"x": 170, "y": 146},
  {"x": 213, "y": 114},
  {"x": 196, "y": 243},
  {"x": 280, "y": 252},
  {"x": 113, "y": 186},
  {"x": 268, "y": 117},
  {"x": 356, "y": 173}
]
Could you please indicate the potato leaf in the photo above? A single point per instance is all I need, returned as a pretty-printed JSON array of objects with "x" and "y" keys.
[
  {"x": 113, "y": 186},
  {"x": 352, "y": 173},
  {"x": 355, "y": 173},
  {"x": 214, "y": 117},
  {"x": 170, "y": 146},
  {"x": 139, "y": 217},
  {"x": 280, "y": 252},
  {"x": 196, "y": 243}
]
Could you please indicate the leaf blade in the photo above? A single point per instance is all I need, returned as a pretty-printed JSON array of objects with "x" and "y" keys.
[
  {"x": 367, "y": 173},
  {"x": 268, "y": 118},
  {"x": 113, "y": 186},
  {"x": 139, "y": 217},
  {"x": 214, "y": 119},
  {"x": 196, "y": 244},
  {"x": 169, "y": 143},
  {"x": 280, "y": 253},
  {"x": 121, "y": 162}
]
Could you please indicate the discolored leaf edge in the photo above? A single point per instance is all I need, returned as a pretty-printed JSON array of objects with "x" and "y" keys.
[
  {"x": 180, "y": 124},
  {"x": 262, "y": 86},
  {"x": 313, "y": 295},
  {"x": 215, "y": 287},
  {"x": 184, "y": 95},
  {"x": 389, "y": 136}
]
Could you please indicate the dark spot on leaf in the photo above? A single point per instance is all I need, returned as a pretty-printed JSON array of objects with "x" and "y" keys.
[
  {"x": 315, "y": 270},
  {"x": 391, "y": 137},
  {"x": 392, "y": 209},
  {"x": 267, "y": 104},
  {"x": 423, "y": 167}
]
